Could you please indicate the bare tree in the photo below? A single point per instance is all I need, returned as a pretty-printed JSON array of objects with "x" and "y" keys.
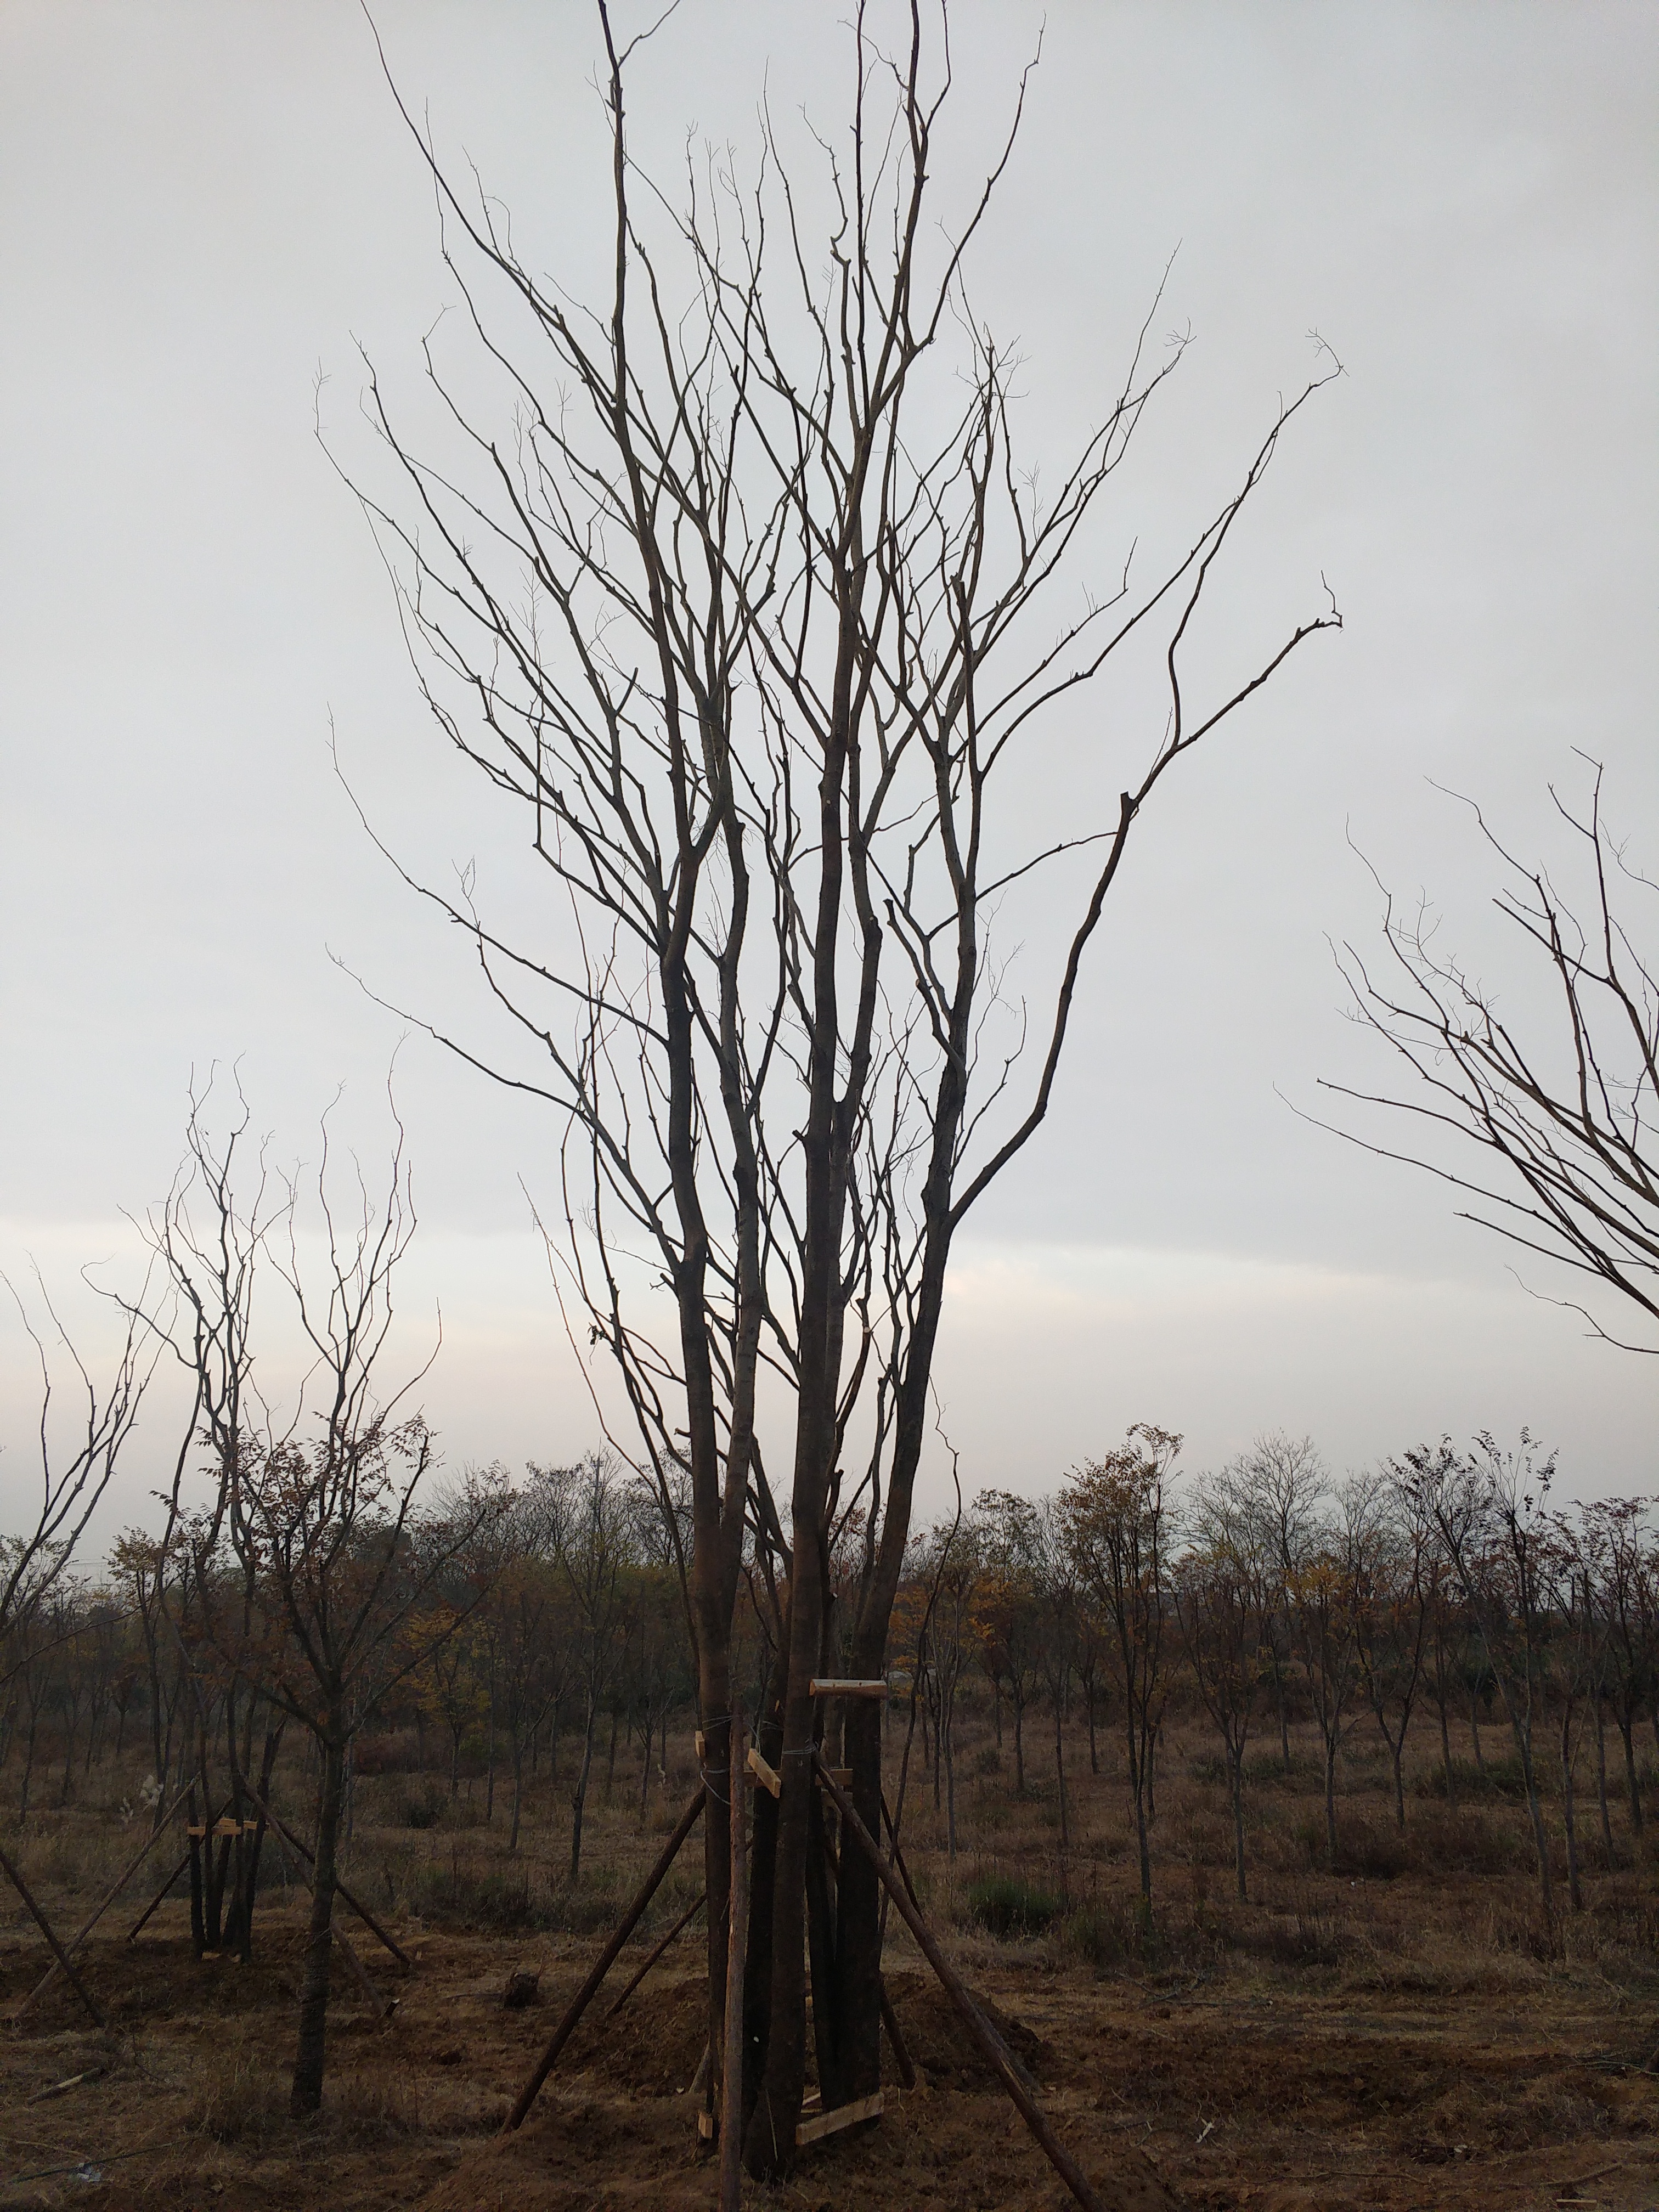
[
  {"x": 744, "y": 612},
  {"x": 75, "y": 1470},
  {"x": 1565, "y": 1119},
  {"x": 591, "y": 1515},
  {"x": 1619, "y": 1537},
  {"x": 1489, "y": 1509},
  {"x": 1395, "y": 1554},
  {"x": 1220, "y": 1586},
  {"x": 1116, "y": 1523}
]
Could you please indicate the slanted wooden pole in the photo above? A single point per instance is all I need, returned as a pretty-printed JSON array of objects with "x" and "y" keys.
[
  {"x": 956, "y": 1989},
  {"x": 307, "y": 1857},
  {"x": 142, "y": 1921},
  {"x": 737, "y": 1937},
  {"x": 382, "y": 2008},
  {"x": 683, "y": 1923},
  {"x": 14, "y": 1875},
  {"x": 624, "y": 1930},
  {"x": 104, "y": 1905}
]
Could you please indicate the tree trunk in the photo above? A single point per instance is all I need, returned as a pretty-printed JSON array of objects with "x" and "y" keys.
[
  {"x": 1137, "y": 1785},
  {"x": 578, "y": 1796},
  {"x": 1019, "y": 1746},
  {"x": 1601, "y": 1783},
  {"x": 1540, "y": 1838},
  {"x": 1575, "y": 1888},
  {"x": 1446, "y": 1757},
  {"x": 1632, "y": 1788},
  {"x": 1330, "y": 1799},
  {"x": 1059, "y": 1782},
  {"x": 306, "y": 2094},
  {"x": 1236, "y": 1765},
  {"x": 770, "y": 2140}
]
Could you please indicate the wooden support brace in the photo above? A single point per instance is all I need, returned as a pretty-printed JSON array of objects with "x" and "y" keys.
[
  {"x": 107, "y": 1900},
  {"x": 979, "y": 2027},
  {"x": 844, "y": 2116},
  {"x": 835, "y": 1685},
  {"x": 683, "y": 1921},
  {"x": 340, "y": 1890},
  {"x": 768, "y": 1776},
  {"x": 15, "y": 1877},
  {"x": 142, "y": 1921},
  {"x": 602, "y": 1965}
]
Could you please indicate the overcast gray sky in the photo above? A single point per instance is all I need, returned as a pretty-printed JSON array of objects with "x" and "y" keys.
[{"x": 204, "y": 207}]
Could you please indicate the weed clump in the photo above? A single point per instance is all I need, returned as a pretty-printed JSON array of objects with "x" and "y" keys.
[{"x": 1006, "y": 1907}]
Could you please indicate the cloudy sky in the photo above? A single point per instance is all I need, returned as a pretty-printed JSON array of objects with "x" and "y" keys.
[{"x": 205, "y": 210}]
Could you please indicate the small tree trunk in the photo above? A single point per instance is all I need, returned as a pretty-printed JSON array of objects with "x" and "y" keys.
[
  {"x": 1060, "y": 1781},
  {"x": 1235, "y": 1775},
  {"x": 1575, "y": 1888},
  {"x": 1446, "y": 1757},
  {"x": 489, "y": 1757},
  {"x": 1019, "y": 1745},
  {"x": 1330, "y": 1799},
  {"x": 1138, "y": 1785},
  {"x": 1601, "y": 1783},
  {"x": 1632, "y": 1788},
  {"x": 579, "y": 1798},
  {"x": 306, "y": 2094},
  {"x": 198, "y": 1926},
  {"x": 1475, "y": 1728},
  {"x": 1540, "y": 1838},
  {"x": 1398, "y": 1753},
  {"x": 518, "y": 1792}
]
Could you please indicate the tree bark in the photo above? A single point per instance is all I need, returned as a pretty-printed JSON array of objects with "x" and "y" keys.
[{"x": 305, "y": 2093}]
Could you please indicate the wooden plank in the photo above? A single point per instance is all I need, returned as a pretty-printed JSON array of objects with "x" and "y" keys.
[
  {"x": 768, "y": 1776},
  {"x": 844, "y": 2116},
  {"x": 843, "y": 1775},
  {"x": 835, "y": 1685}
]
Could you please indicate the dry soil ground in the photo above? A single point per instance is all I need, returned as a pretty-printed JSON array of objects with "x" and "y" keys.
[{"x": 1346, "y": 2041}]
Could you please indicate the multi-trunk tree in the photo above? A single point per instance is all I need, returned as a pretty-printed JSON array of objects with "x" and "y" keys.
[{"x": 752, "y": 604}]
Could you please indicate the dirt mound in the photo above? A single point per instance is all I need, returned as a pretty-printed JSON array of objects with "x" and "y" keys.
[
  {"x": 652, "y": 2047},
  {"x": 939, "y": 2042}
]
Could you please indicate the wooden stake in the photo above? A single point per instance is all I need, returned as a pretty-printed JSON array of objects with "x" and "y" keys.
[
  {"x": 624, "y": 1930},
  {"x": 737, "y": 1938},
  {"x": 981, "y": 2029},
  {"x": 15, "y": 1877}
]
